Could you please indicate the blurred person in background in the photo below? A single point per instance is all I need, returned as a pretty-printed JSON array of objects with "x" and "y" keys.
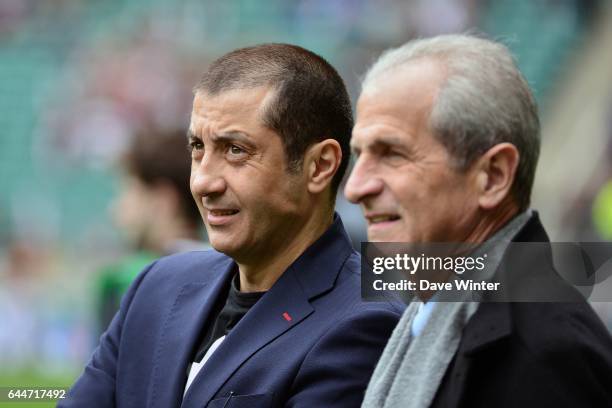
[
  {"x": 275, "y": 317},
  {"x": 154, "y": 210},
  {"x": 447, "y": 140}
]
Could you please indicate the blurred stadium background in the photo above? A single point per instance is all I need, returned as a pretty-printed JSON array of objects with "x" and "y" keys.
[{"x": 79, "y": 77}]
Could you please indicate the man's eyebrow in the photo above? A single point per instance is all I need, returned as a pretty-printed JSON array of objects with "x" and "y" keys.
[
  {"x": 226, "y": 137},
  {"x": 380, "y": 141},
  {"x": 190, "y": 135},
  {"x": 233, "y": 136}
]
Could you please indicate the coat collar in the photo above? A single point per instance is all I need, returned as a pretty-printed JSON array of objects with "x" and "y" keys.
[
  {"x": 312, "y": 274},
  {"x": 492, "y": 321},
  {"x": 317, "y": 268},
  {"x": 491, "y": 324}
]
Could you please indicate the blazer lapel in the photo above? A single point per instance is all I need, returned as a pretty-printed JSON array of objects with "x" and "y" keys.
[
  {"x": 284, "y": 306},
  {"x": 492, "y": 321},
  {"x": 179, "y": 334},
  {"x": 490, "y": 324}
]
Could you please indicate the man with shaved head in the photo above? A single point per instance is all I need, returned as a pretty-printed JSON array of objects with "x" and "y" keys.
[
  {"x": 446, "y": 140},
  {"x": 273, "y": 317}
]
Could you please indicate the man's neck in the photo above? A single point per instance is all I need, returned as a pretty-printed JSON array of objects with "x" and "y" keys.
[
  {"x": 260, "y": 274},
  {"x": 484, "y": 228},
  {"x": 487, "y": 225}
]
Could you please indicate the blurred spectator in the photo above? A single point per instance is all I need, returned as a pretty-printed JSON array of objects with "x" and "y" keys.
[{"x": 154, "y": 210}]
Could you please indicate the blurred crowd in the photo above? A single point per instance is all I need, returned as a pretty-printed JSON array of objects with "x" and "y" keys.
[{"x": 83, "y": 81}]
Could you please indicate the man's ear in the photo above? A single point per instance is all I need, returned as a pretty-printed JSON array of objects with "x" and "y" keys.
[
  {"x": 496, "y": 174},
  {"x": 321, "y": 163}
]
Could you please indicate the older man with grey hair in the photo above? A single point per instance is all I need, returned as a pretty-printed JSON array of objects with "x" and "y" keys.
[{"x": 447, "y": 142}]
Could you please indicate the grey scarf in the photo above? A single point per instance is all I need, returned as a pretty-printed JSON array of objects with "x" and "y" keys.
[{"x": 410, "y": 369}]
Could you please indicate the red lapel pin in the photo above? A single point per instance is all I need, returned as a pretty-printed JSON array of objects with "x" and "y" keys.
[{"x": 287, "y": 317}]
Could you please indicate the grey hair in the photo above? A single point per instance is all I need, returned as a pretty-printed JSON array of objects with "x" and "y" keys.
[{"x": 483, "y": 101}]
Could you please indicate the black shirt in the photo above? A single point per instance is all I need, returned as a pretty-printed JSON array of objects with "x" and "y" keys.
[{"x": 237, "y": 304}]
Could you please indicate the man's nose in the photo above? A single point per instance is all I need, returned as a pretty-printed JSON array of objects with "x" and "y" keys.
[
  {"x": 362, "y": 182},
  {"x": 207, "y": 178}
]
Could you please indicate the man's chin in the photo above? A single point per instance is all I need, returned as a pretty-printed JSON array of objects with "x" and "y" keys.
[
  {"x": 391, "y": 231},
  {"x": 397, "y": 238},
  {"x": 225, "y": 246},
  {"x": 385, "y": 236}
]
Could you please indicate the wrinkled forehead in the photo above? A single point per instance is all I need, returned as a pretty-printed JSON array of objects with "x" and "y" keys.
[
  {"x": 238, "y": 100},
  {"x": 399, "y": 102},
  {"x": 246, "y": 106}
]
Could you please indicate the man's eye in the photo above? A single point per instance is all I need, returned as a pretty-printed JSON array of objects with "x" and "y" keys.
[
  {"x": 236, "y": 150},
  {"x": 196, "y": 145},
  {"x": 390, "y": 152}
]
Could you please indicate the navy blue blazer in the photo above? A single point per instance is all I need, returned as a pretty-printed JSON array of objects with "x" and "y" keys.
[{"x": 308, "y": 342}]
